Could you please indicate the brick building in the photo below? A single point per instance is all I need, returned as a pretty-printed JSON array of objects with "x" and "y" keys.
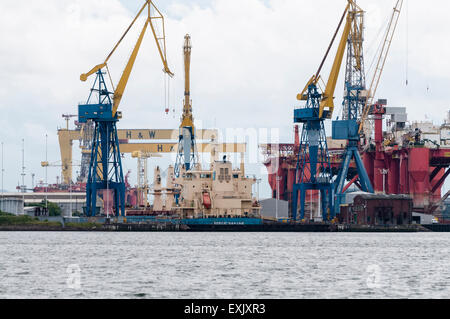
[{"x": 378, "y": 209}]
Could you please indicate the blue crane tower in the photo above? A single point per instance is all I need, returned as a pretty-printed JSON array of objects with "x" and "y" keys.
[
  {"x": 313, "y": 164},
  {"x": 355, "y": 97},
  {"x": 105, "y": 168}
]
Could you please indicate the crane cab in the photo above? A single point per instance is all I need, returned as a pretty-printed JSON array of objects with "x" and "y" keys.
[{"x": 97, "y": 112}]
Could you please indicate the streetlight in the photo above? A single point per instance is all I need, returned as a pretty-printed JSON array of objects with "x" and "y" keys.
[
  {"x": 76, "y": 199},
  {"x": 46, "y": 175},
  {"x": 278, "y": 195},
  {"x": 3, "y": 170},
  {"x": 23, "y": 187},
  {"x": 70, "y": 192},
  {"x": 258, "y": 181}
]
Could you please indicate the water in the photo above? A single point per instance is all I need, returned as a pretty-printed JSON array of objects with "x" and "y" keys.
[{"x": 224, "y": 265}]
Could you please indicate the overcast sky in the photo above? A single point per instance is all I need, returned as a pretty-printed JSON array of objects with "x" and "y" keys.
[{"x": 250, "y": 58}]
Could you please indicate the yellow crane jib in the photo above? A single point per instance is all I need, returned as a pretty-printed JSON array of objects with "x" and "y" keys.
[
  {"x": 95, "y": 69},
  {"x": 187, "y": 149},
  {"x": 303, "y": 96},
  {"x": 328, "y": 95},
  {"x": 327, "y": 101},
  {"x": 187, "y": 118},
  {"x": 153, "y": 14}
]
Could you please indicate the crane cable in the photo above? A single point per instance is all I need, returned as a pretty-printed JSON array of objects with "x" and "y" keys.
[
  {"x": 379, "y": 39},
  {"x": 166, "y": 75},
  {"x": 331, "y": 43},
  {"x": 407, "y": 42},
  {"x": 110, "y": 78},
  {"x": 381, "y": 61},
  {"x": 166, "y": 93}
]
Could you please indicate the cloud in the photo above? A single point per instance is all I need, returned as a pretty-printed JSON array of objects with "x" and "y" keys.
[{"x": 250, "y": 59}]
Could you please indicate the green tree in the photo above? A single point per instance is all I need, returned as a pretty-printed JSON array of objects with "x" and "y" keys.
[{"x": 53, "y": 209}]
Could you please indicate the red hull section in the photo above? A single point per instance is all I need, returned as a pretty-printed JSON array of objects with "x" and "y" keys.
[{"x": 416, "y": 171}]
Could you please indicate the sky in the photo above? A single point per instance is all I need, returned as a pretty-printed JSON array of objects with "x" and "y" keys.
[{"x": 250, "y": 59}]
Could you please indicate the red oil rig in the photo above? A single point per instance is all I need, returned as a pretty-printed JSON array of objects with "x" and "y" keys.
[
  {"x": 406, "y": 158},
  {"x": 415, "y": 163}
]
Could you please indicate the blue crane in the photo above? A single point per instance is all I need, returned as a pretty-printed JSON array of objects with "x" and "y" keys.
[
  {"x": 105, "y": 167},
  {"x": 313, "y": 171}
]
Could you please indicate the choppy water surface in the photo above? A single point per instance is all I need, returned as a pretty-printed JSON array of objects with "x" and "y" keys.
[{"x": 224, "y": 265}]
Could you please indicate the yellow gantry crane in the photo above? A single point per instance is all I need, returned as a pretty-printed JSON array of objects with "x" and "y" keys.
[{"x": 105, "y": 170}]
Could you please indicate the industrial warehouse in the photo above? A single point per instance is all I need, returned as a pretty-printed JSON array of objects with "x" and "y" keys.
[{"x": 375, "y": 168}]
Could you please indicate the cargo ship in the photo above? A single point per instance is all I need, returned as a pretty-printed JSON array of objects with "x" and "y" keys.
[{"x": 220, "y": 195}]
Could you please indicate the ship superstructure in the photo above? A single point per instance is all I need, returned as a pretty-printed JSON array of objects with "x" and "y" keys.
[{"x": 220, "y": 192}]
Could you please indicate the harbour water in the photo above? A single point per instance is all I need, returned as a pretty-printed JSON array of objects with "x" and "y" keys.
[{"x": 224, "y": 265}]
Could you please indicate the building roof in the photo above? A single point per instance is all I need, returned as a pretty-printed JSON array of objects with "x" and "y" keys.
[
  {"x": 383, "y": 196},
  {"x": 272, "y": 200},
  {"x": 49, "y": 196}
]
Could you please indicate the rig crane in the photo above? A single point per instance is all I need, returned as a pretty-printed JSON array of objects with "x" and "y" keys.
[
  {"x": 380, "y": 64},
  {"x": 313, "y": 172},
  {"x": 105, "y": 169},
  {"x": 187, "y": 151}
]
